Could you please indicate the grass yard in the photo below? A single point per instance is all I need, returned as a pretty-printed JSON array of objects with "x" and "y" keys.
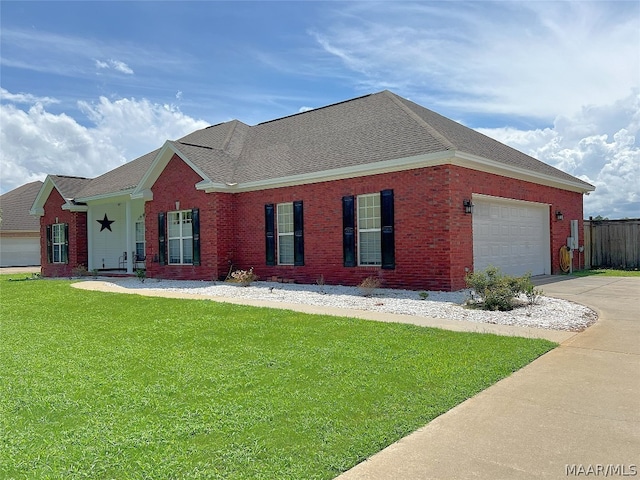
[
  {"x": 606, "y": 272},
  {"x": 99, "y": 385}
]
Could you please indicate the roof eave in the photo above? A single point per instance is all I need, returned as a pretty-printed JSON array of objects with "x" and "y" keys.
[
  {"x": 482, "y": 164},
  {"x": 104, "y": 196},
  {"x": 37, "y": 208},
  {"x": 387, "y": 166}
]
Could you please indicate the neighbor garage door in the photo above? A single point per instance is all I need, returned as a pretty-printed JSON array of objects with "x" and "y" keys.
[
  {"x": 511, "y": 235},
  {"x": 19, "y": 251}
]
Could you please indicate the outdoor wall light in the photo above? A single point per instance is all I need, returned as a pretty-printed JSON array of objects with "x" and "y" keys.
[
  {"x": 468, "y": 206},
  {"x": 559, "y": 215}
]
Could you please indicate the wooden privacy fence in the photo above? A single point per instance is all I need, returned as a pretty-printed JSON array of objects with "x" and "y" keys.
[{"x": 612, "y": 243}]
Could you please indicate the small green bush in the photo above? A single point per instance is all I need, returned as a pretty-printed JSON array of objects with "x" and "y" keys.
[
  {"x": 493, "y": 290},
  {"x": 141, "y": 273}
]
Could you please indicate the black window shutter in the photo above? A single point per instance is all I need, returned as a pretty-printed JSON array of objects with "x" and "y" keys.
[
  {"x": 195, "y": 230},
  {"x": 298, "y": 234},
  {"x": 162, "y": 239},
  {"x": 65, "y": 246},
  {"x": 270, "y": 234},
  {"x": 49, "y": 244},
  {"x": 348, "y": 232},
  {"x": 388, "y": 248}
]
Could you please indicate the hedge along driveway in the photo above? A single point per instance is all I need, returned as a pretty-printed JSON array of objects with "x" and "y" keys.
[{"x": 107, "y": 385}]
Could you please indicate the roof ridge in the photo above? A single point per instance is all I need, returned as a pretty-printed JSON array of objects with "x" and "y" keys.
[
  {"x": 229, "y": 136},
  {"x": 416, "y": 117},
  {"x": 195, "y": 145},
  {"x": 71, "y": 176},
  {"x": 316, "y": 109}
]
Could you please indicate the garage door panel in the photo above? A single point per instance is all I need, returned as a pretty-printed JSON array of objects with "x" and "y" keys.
[{"x": 511, "y": 235}]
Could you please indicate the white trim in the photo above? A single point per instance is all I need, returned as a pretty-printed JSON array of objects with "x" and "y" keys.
[
  {"x": 146, "y": 195},
  {"x": 111, "y": 196},
  {"x": 361, "y": 230},
  {"x": 71, "y": 207},
  {"x": 482, "y": 164},
  {"x": 447, "y": 157},
  {"x": 48, "y": 185},
  {"x": 493, "y": 198},
  {"x": 286, "y": 234}
]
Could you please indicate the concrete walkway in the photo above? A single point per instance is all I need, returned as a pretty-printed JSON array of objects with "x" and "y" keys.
[{"x": 576, "y": 407}]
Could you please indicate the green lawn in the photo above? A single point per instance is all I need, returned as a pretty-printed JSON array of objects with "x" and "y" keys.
[
  {"x": 99, "y": 385},
  {"x": 604, "y": 272}
]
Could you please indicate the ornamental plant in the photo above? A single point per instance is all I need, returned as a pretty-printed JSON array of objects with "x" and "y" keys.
[
  {"x": 493, "y": 290},
  {"x": 244, "y": 277},
  {"x": 369, "y": 285}
]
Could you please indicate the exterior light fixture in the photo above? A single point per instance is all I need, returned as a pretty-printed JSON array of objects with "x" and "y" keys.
[
  {"x": 559, "y": 215},
  {"x": 468, "y": 206}
]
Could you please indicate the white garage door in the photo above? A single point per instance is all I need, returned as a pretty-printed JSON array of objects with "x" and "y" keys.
[
  {"x": 511, "y": 235},
  {"x": 19, "y": 252}
]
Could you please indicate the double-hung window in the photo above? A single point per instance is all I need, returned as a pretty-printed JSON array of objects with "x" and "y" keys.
[
  {"x": 369, "y": 238},
  {"x": 368, "y": 224},
  {"x": 285, "y": 234},
  {"x": 58, "y": 243},
  {"x": 180, "y": 237},
  {"x": 140, "y": 241}
]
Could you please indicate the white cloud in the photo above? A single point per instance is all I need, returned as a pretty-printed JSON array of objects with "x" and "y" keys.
[
  {"x": 535, "y": 59},
  {"x": 114, "y": 65},
  {"x": 304, "y": 109},
  {"x": 25, "y": 98},
  {"x": 600, "y": 145},
  {"x": 35, "y": 142}
]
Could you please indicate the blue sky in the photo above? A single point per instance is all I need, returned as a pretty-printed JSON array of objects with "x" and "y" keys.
[{"x": 86, "y": 86}]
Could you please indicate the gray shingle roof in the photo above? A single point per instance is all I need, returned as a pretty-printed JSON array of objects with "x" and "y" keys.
[
  {"x": 125, "y": 177},
  {"x": 361, "y": 131},
  {"x": 467, "y": 140},
  {"x": 69, "y": 187},
  {"x": 15, "y": 207}
]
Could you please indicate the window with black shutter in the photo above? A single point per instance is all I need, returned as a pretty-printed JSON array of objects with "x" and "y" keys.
[
  {"x": 162, "y": 238},
  {"x": 270, "y": 239},
  {"x": 348, "y": 231},
  {"x": 298, "y": 234}
]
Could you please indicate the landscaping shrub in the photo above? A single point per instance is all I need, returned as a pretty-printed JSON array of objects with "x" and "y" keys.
[
  {"x": 493, "y": 290},
  {"x": 369, "y": 285}
]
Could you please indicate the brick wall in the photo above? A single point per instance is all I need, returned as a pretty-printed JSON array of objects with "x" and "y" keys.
[
  {"x": 433, "y": 235},
  {"x": 177, "y": 184},
  {"x": 78, "y": 248}
]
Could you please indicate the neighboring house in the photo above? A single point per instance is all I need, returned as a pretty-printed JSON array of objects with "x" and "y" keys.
[
  {"x": 376, "y": 185},
  {"x": 19, "y": 230}
]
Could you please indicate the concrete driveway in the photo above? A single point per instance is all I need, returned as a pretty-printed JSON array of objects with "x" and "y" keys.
[{"x": 573, "y": 411}]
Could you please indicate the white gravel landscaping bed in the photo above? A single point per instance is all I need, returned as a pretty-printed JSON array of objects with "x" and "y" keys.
[{"x": 549, "y": 313}]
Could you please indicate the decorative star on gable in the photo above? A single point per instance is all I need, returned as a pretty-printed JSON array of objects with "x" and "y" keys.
[{"x": 105, "y": 223}]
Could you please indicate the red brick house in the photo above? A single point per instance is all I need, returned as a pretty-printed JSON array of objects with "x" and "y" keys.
[{"x": 376, "y": 185}]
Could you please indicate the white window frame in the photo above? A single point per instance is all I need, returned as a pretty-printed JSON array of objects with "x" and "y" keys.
[
  {"x": 184, "y": 217},
  {"x": 140, "y": 241},
  {"x": 368, "y": 224},
  {"x": 285, "y": 230},
  {"x": 58, "y": 242}
]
